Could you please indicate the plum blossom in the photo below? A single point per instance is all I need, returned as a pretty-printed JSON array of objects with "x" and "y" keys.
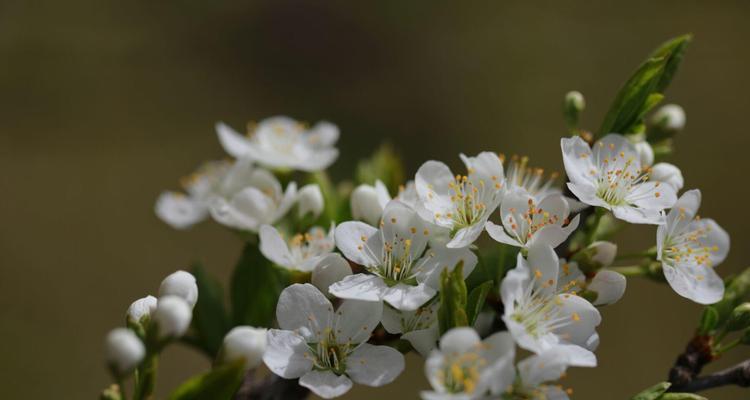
[
  {"x": 465, "y": 367},
  {"x": 301, "y": 252},
  {"x": 368, "y": 202},
  {"x": 400, "y": 268},
  {"x": 283, "y": 143},
  {"x": 327, "y": 349},
  {"x": 537, "y": 374},
  {"x": 667, "y": 173},
  {"x": 183, "y": 210},
  {"x": 244, "y": 343},
  {"x": 519, "y": 175},
  {"x": 611, "y": 176},
  {"x": 525, "y": 220},
  {"x": 689, "y": 248},
  {"x": 541, "y": 309},
  {"x": 460, "y": 203},
  {"x": 418, "y": 327}
]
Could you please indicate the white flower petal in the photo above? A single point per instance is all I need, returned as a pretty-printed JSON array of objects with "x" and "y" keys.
[
  {"x": 609, "y": 286},
  {"x": 232, "y": 142},
  {"x": 432, "y": 180},
  {"x": 698, "y": 283},
  {"x": 638, "y": 215},
  {"x": 274, "y": 248},
  {"x": 466, "y": 236},
  {"x": 302, "y": 308},
  {"x": 577, "y": 157},
  {"x": 407, "y": 297},
  {"x": 356, "y": 319},
  {"x": 584, "y": 318},
  {"x": 374, "y": 365},
  {"x": 497, "y": 232},
  {"x": 459, "y": 340},
  {"x": 359, "y": 243},
  {"x": 326, "y": 384},
  {"x": 359, "y": 287},
  {"x": 330, "y": 269},
  {"x": 423, "y": 340},
  {"x": 179, "y": 211}
]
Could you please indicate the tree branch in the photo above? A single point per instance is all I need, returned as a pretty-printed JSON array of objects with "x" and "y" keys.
[
  {"x": 690, "y": 363},
  {"x": 271, "y": 387},
  {"x": 737, "y": 375}
]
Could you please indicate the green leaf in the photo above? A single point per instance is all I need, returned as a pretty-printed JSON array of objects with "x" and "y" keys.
[
  {"x": 643, "y": 90},
  {"x": 737, "y": 291},
  {"x": 219, "y": 384},
  {"x": 384, "y": 165},
  {"x": 255, "y": 289},
  {"x": 452, "y": 311},
  {"x": 330, "y": 197},
  {"x": 493, "y": 262},
  {"x": 210, "y": 319},
  {"x": 709, "y": 320},
  {"x": 654, "y": 392},
  {"x": 681, "y": 396},
  {"x": 476, "y": 301}
]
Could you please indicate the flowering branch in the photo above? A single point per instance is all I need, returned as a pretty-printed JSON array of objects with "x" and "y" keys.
[{"x": 737, "y": 375}]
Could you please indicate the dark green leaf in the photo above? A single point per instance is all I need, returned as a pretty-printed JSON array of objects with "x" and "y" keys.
[
  {"x": 476, "y": 301},
  {"x": 256, "y": 285},
  {"x": 675, "y": 50},
  {"x": 452, "y": 311},
  {"x": 654, "y": 392},
  {"x": 210, "y": 318},
  {"x": 219, "y": 384}
]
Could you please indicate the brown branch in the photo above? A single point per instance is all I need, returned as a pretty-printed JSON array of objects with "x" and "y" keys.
[
  {"x": 690, "y": 363},
  {"x": 737, "y": 375}
]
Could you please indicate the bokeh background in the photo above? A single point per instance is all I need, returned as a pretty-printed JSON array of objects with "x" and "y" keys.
[{"x": 105, "y": 104}]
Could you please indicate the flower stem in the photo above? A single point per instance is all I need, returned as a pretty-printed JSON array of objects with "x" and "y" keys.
[
  {"x": 146, "y": 378},
  {"x": 723, "y": 348},
  {"x": 630, "y": 270}
]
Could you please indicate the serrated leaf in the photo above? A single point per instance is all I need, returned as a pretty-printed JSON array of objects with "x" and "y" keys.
[
  {"x": 210, "y": 319},
  {"x": 654, "y": 392},
  {"x": 219, "y": 384},
  {"x": 256, "y": 285},
  {"x": 476, "y": 300},
  {"x": 453, "y": 299},
  {"x": 642, "y": 91}
]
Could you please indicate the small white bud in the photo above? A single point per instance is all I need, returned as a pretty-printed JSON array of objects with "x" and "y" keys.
[
  {"x": 609, "y": 287},
  {"x": 140, "y": 308},
  {"x": 330, "y": 270},
  {"x": 670, "y": 117},
  {"x": 173, "y": 316},
  {"x": 244, "y": 342},
  {"x": 667, "y": 173},
  {"x": 574, "y": 100},
  {"x": 645, "y": 153},
  {"x": 181, "y": 284},
  {"x": 604, "y": 253},
  {"x": 365, "y": 204},
  {"x": 310, "y": 200},
  {"x": 124, "y": 350}
]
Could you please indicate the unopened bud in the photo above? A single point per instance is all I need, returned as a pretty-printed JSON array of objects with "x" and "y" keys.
[
  {"x": 596, "y": 256},
  {"x": 645, "y": 153},
  {"x": 244, "y": 343},
  {"x": 124, "y": 350},
  {"x": 366, "y": 205},
  {"x": 141, "y": 309},
  {"x": 573, "y": 106},
  {"x": 667, "y": 173},
  {"x": 609, "y": 287},
  {"x": 181, "y": 284},
  {"x": 172, "y": 316},
  {"x": 310, "y": 200},
  {"x": 739, "y": 318},
  {"x": 330, "y": 270},
  {"x": 670, "y": 117}
]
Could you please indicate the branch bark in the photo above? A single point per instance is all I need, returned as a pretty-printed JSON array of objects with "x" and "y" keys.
[{"x": 737, "y": 375}]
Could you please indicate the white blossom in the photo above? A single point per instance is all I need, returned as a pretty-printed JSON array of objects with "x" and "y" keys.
[
  {"x": 301, "y": 252},
  {"x": 181, "y": 284},
  {"x": 283, "y": 143},
  {"x": 540, "y": 309},
  {"x": 418, "y": 327},
  {"x": 520, "y": 176},
  {"x": 182, "y": 211},
  {"x": 401, "y": 269},
  {"x": 367, "y": 202},
  {"x": 670, "y": 117},
  {"x": 331, "y": 269},
  {"x": 310, "y": 201},
  {"x": 667, "y": 173},
  {"x": 611, "y": 176},
  {"x": 537, "y": 375},
  {"x": 645, "y": 153},
  {"x": 460, "y": 203},
  {"x": 689, "y": 248},
  {"x": 172, "y": 316},
  {"x": 244, "y": 343},
  {"x": 465, "y": 367},
  {"x": 124, "y": 350},
  {"x": 141, "y": 308},
  {"x": 526, "y": 221},
  {"x": 327, "y": 349},
  {"x": 250, "y": 197}
]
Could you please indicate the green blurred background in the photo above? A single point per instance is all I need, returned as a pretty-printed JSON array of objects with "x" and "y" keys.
[{"x": 105, "y": 104}]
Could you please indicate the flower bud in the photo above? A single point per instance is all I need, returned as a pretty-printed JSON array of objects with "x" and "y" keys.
[
  {"x": 172, "y": 316},
  {"x": 609, "y": 287},
  {"x": 140, "y": 309},
  {"x": 244, "y": 342},
  {"x": 181, "y": 284},
  {"x": 667, "y": 173},
  {"x": 604, "y": 253},
  {"x": 330, "y": 270},
  {"x": 739, "y": 318},
  {"x": 365, "y": 204},
  {"x": 645, "y": 153},
  {"x": 670, "y": 117},
  {"x": 310, "y": 200},
  {"x": 124, "y": 350},
  {"x": 573, "y": 106}
]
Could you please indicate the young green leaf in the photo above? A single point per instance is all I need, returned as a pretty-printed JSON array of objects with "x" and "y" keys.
[
  {"x": 210, "y": 319},
  {"x": 219, "y": 384},
  {"x": 452, "y": 311},
  {"x": 476, "y": 301},
  {"x": 255, "y": 289},
  {"x": 709, "y": 320},
  {"x": 385, "y": 165},
  {"x": 654, "y": 392}
]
